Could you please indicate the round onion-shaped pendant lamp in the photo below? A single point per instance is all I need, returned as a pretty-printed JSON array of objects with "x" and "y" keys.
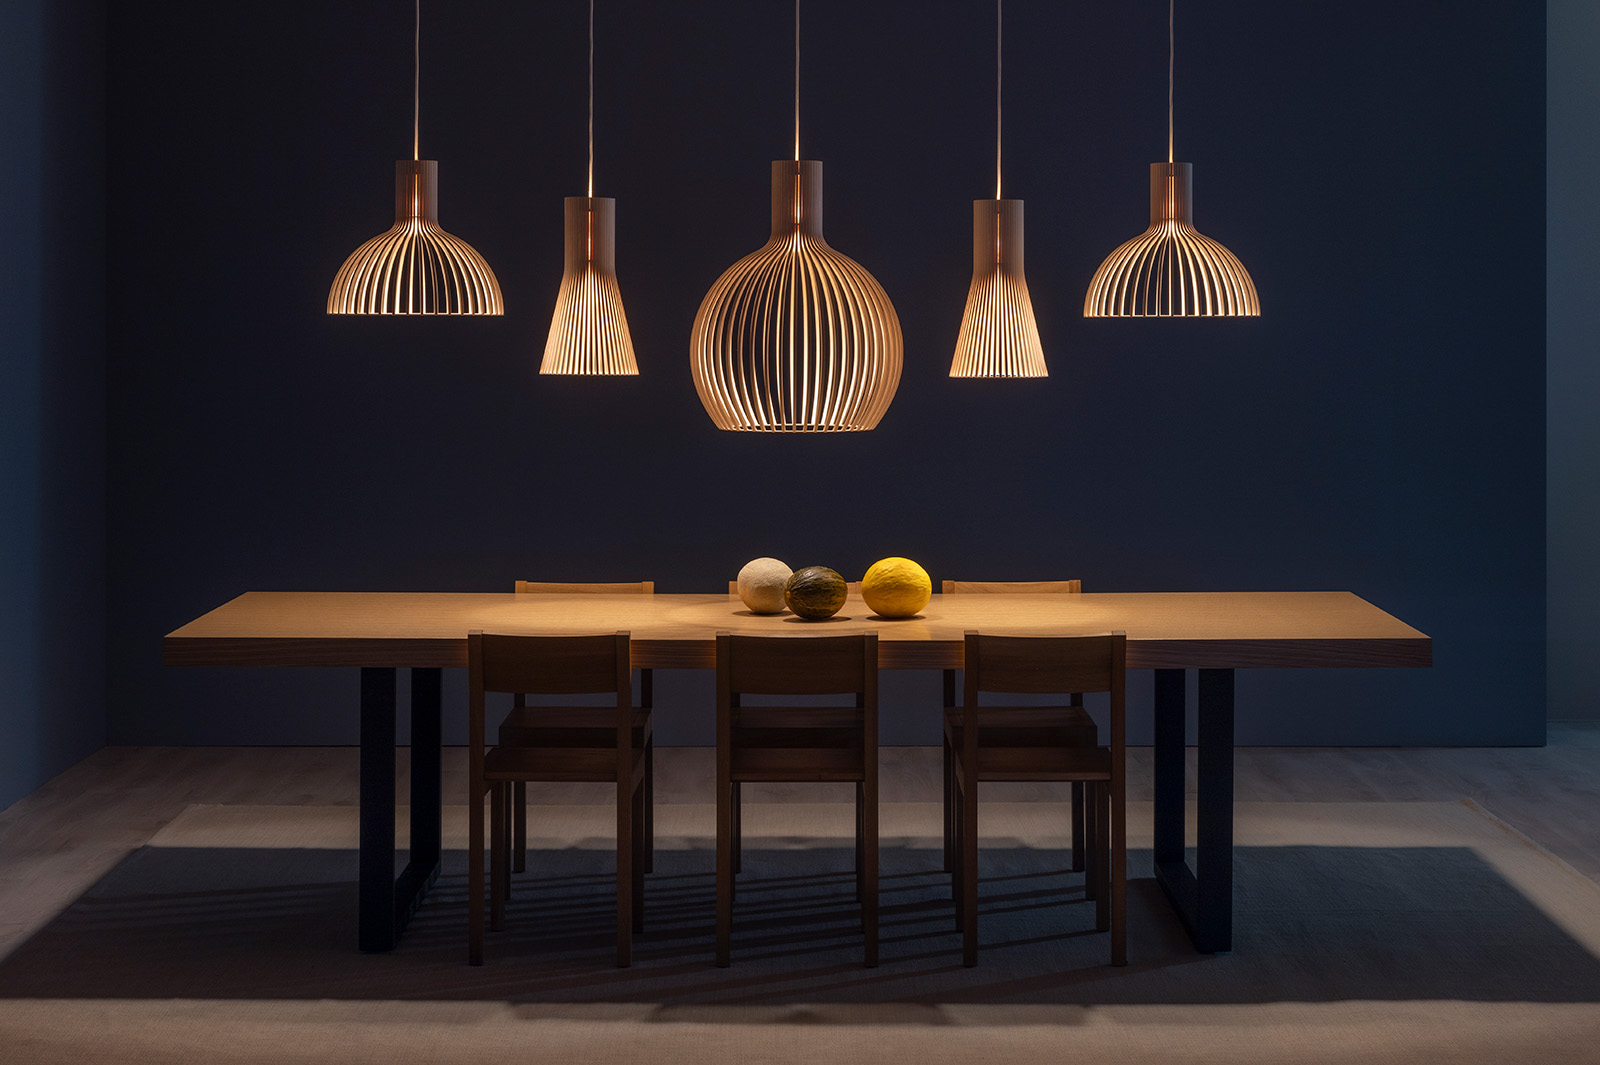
[
  {"x": 589, "y": 333},
  {"x": 416, "y": 267},
  {"x": 998, "y": 337},
  {"x": 796, "y": 337},
  {"x": 1171, "y": 270}
]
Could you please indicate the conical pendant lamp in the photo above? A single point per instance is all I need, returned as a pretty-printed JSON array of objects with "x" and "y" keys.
[
  {"x": 796, "y": 337},
  {"x": 1171, "y": 270},
  {"x": 999, "y": 337},
  {"x": 589, "y": 332},
  {"x": 416, "y": 267}
]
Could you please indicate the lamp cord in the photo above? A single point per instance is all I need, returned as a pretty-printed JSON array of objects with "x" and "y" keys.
[
  {"x": 998, "y": 68},
  {"x": 1170, "y": 52},
  {"x": 416, "y": 87},
  {"x": 797, "y": 80},
  {"x": 591, "y": 99}
]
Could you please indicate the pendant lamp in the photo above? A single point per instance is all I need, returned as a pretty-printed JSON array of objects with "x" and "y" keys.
[
  {"x": 999, "y": 337},
  {"x": 1171, "y": 270},
  {"x": 796, "y": 337},
  {"x": 589, "y": 332},
  {"x": 416, "y": 267}
]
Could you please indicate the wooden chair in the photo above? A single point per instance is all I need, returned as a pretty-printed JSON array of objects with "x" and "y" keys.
[
  {"x": 555, "y": 665},
  {"x": 513, "y": 729},
  {"x": 797, "y": 743},
  {"x": 1043, "y": 750},
  {"x": 1081, "y": 725}
]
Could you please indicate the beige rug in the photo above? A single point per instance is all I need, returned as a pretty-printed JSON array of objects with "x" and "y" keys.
[{"x": 1364, "y": 932}]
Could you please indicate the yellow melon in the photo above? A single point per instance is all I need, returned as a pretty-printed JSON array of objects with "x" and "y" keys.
[{"x": 896, "y": 587}]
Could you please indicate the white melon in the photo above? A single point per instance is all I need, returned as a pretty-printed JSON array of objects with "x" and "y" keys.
[{"x": 761, "y": 584}]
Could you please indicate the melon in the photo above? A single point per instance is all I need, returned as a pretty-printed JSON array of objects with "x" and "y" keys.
[
  {"x": 761, "y": 585},
  {"x": 896, "y": 587},
  {"x": 815, "y": 592}
]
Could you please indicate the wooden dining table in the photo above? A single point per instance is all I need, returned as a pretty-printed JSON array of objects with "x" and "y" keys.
[{"x": 1213, "y": 633}]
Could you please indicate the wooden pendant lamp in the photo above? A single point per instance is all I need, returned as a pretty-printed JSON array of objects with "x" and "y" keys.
[
  {"x": 999, "y": 337},
  {"x": 1171, "y": 270},
  {"x": 796, "y": 337},
  {"x": 416, "y": 267},
  {"x": 589, "y": 331}
]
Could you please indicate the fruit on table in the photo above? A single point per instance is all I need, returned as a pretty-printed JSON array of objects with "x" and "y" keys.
[
  {"x": 896, "y": 587},
  {"x": 761, "y": 585},
  {"x": 815, "y": 592}
]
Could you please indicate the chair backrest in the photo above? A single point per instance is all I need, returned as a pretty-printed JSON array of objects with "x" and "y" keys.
[
  {"x": 549, "y": 665},
  {"x": 1042, "y": 664},
  {"x": 558, "y": 588},
  {"x": 798, "y": 665},
  {"x": 1012, "y": 587}
]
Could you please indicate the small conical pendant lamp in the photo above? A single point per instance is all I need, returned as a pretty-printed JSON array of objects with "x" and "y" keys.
[
  {"x": 796, "y": 337},
  {"x": 1171, "y": 270},
  {"x": 589, "y": 332},
  {"x": 416, "y": 267},
  {"x": 999, "y": 337}
]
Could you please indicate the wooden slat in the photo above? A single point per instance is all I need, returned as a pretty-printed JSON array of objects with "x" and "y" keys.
[
  {"x": 825, "y": 764},
  {"x": 563, "y": 763},
  {"x": 560, "y": 588},
  {"x": 1040, "y": 664},
  {"x": 1166, "y": 630},
  {"x": 553, "y": 665},
  {"x": 1012, "y": 587}
]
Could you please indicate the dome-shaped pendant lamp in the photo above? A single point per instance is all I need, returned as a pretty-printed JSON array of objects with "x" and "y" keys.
[
  {"x": 416, "y": 267},
  {"x": 589, "y": 332},
  {"x": 795, "y": 337},
  {"x": 998, "y": 337},
  {"x": 1171, "y": 270}
]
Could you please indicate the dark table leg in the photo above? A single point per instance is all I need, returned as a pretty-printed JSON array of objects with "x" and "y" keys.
[
  {"x": 387, "y": 903},
  {"x": 1203, "y": 898}
]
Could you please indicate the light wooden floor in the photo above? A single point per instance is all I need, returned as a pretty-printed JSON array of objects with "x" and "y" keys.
[{"x": 58, "y": 841}]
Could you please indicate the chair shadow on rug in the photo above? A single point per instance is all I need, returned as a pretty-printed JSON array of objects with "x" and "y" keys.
[{"x": 1313, "y": 924}]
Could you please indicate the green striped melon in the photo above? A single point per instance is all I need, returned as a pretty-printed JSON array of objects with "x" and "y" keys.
[{"x": 815, "y": 592}]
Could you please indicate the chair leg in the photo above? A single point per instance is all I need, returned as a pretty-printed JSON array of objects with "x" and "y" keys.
[
  {"x": 724, "y": 872},
  {"x": 625, "y": 849},
  {"x": 738, "y": 827},
  {"x": 949, "y": 810},
  {"x": 475, "y": 880},
  {"x": 498, "y": 852},
  {"x": 641, "y": 855},
  {"x": 519, "y": 809},
  {"x": 969, "y": 874},
  {"x": 1119, "y": 877},
  {"x": 869, "y": 890},
  {"x": 955, "y": 832},
  {"x": 1077, "y": 826},
  {"x": 860, "y": 854},
  {"x": 1102, "y": 896},
  {"x": 1091, "y": 842},
  {"x": 650, "y": 805}
]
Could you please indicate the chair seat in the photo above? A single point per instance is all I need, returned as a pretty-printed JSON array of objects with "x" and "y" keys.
[
  {"x": 797, "y": 764},
  {"x": 569, "y": 726},
  {"x": 562, "y": 763},
  {"x": 1037, "y": 763},
  {"x": 1026, "y": 726}
]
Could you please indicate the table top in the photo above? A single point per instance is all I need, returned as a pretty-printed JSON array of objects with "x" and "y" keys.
[{"x": 1166, "y": 630}]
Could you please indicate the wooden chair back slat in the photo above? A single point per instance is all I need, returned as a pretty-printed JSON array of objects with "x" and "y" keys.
[
  {"x": 552, "y": 665},
  {"x": 561, "y": 588},
  {"x": 816, "y": 665},
  {"x": 1012, "y": 587},
  {"x": 1041, "y": 664}
]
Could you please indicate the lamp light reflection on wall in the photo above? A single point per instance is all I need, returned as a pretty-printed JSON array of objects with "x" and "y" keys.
[
  {"x": 999, "y": 337},
  {"x": 1171, "y": 270},
  {"x": 796, "y": 337},
  {"x": 416, "y": 267},
  {"x": 589, "y": 331}
]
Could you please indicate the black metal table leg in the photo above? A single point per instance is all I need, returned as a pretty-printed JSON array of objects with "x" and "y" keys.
[
  {"x": 376, "y": 909},
  {"x": 1203, "y": 897},
  {"x": 386, "y": 902}
]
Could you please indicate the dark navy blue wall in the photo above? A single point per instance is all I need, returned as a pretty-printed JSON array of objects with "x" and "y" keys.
[
  {"x": 52, "y": 389},
  {"x": 1378, "y": 166}
]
